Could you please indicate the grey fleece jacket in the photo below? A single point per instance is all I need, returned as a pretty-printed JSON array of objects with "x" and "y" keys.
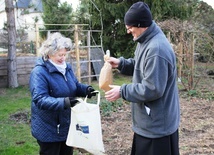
[{"x": 154, "y": 86}]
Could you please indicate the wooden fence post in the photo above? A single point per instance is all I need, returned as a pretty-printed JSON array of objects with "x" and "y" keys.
[
  {"x": 76, "y": 40},
  {"x": 168, "y": 37},
  {"x": 89, "y": 55},
  {"x": 180, "y": 54},
  {"x": 191, "y": 61}
]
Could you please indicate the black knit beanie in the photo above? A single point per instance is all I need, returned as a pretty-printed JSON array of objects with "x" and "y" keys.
[{"x": 138, "y": 15}]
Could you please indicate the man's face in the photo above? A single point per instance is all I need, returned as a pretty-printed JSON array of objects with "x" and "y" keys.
[{"x": 135, "y": 31}]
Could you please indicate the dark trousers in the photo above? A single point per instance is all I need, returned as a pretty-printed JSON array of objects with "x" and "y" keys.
[
  {"x": 54, "y": 148},
  {"x": 168, "y": 145}
]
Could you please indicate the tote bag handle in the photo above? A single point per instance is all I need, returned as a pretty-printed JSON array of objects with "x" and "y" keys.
[{"x": 98, "y": 97}]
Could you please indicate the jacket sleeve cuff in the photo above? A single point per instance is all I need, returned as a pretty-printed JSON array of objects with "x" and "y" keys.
[
  {"x": 120, "y": 64},
  {"x": 122, "y": 88},
  {"x": 67, "y": 103}
]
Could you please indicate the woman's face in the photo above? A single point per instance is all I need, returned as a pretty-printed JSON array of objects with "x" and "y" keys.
[{"x": 59, "y": 57}]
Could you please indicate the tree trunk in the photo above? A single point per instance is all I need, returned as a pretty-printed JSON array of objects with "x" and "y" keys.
[{"x": 11, "y": 58}]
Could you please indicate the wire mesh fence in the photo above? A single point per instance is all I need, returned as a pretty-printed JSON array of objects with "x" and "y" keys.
[{"x": 195, "y": 60}]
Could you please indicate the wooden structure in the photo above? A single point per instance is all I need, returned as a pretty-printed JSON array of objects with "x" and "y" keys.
[
  {"x": 185, "y": 58},
  {"x": 26, "y": 63},
  {"x": 24, "y": 67}
]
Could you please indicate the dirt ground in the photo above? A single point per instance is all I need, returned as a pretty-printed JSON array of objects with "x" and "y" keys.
[{"x": 196, "y": 131}]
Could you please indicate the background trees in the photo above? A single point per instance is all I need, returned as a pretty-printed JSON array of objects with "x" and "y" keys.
[
  {"x": 108, "y": 16},
  {"x": 55, "y": 12},
  {"x": 111, "y": 12}
]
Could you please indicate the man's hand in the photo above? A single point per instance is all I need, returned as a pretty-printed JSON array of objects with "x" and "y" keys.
[
  {"x": 113, "y": 94},
  {"x": 114, "y": 62}
]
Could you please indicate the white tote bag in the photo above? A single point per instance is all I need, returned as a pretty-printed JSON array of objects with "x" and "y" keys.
[{"x": 85, "y": 128}]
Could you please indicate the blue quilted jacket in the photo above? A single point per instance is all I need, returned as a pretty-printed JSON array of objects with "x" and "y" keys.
[{"x": 50, "y": 119}]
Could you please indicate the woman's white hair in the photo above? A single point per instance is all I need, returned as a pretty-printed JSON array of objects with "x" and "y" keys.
[{"x": 56, "y": 41}]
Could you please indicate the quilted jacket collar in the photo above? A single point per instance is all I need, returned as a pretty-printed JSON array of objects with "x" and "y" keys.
[{"x": 50, "y": 67}]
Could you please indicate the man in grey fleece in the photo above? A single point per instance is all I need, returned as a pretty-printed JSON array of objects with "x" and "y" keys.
[{"x": 153, "y": 92}]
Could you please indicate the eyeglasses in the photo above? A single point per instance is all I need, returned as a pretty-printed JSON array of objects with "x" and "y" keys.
[{"x": 128, "y": 29}]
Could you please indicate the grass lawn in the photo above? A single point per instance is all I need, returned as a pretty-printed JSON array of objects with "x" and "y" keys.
[{"x": 15, "y": 136}]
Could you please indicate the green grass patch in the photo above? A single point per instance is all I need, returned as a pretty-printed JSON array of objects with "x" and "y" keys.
[{"x": 15, "y": 131}]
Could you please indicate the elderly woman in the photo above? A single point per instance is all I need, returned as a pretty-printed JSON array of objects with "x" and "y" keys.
[{"x": 53, "y": 88}]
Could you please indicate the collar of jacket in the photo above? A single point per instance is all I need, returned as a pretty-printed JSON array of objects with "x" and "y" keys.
[
  {"x": 148, "y": 34},
  {"x": 50, "y": 67}
]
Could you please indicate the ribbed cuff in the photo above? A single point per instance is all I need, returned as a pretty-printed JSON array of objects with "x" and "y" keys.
[{"x": 67, "y": 103}]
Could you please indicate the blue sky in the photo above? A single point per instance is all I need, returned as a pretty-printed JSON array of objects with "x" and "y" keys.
[{"x": 210, "y": 2}]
